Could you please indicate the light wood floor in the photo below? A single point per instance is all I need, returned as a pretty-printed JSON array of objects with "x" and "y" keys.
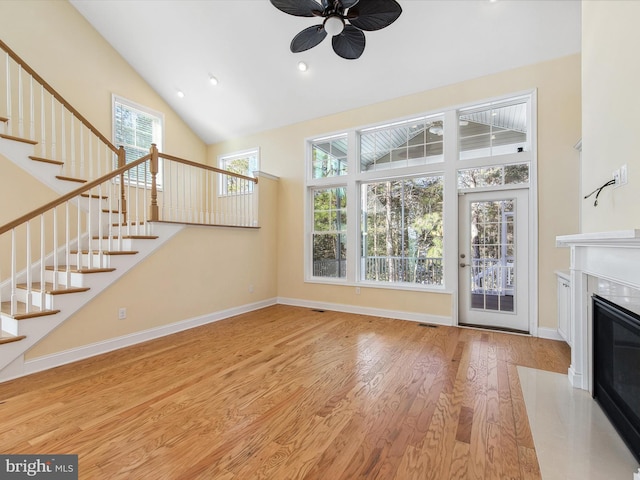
[{"x": 286, "y": 393}]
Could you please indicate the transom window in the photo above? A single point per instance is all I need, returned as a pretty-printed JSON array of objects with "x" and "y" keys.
[
  {"x": 402, "y": 144},
  {"x": 494, "y": 129}
]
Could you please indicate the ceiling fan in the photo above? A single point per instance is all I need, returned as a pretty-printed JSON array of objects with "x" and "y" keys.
[{"x": 344, "y": 20}]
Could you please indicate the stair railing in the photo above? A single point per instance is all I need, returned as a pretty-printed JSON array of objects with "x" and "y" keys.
[
  {"x": 79, "y": 231},
  {"x": 30, "y": 109},
  {"x": 194, "y": 193}
]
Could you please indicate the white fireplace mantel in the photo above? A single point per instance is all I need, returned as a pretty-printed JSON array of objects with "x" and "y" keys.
[{"x": 607, "y": 256}]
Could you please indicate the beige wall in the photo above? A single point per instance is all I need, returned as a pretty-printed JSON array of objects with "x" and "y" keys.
[
  {"x": 558, "y": 86},
  {"x": 610, "y": 112},
  {"x": 59, "y": 44}
]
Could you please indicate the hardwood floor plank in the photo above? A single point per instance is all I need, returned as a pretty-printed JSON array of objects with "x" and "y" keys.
[{"x": 288, "y": 393}]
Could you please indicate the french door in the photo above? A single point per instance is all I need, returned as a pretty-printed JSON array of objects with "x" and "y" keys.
[{"x": 493, "y": 256}]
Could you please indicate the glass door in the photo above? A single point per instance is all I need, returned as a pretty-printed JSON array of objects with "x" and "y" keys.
[{"x": 493, "y": 260}]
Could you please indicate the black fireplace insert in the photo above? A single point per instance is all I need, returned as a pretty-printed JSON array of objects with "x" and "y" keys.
[{"x": 616, "y": 362}]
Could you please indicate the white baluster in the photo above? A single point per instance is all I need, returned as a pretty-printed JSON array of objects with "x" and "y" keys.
[
  {"x": 32, "y": 122},
  {"x": 55, "y": 248},
  {"x": 63, "y": 139},
  {"x": 29, "y": 266},
  {"x": 43, "y": 125},
  {"x": 20, "y": 104},
  {"x": 67, "y": 246},
  {"x": 14, "y": 297},
  {"x": 54, "y": 152},
  {"x": 72, "y": 145},
  {"x": 9, "y": 106},
  {"x": 42, "y": 258}
]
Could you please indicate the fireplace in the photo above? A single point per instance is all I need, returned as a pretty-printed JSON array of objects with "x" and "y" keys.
[{"x": 616, "y": 368}]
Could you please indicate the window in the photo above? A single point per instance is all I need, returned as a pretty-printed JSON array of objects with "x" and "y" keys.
[
  {"x": 243, "y": 163},
  {"x": 402, "y": 144},
  {"x": 402, "y": 230},
  {"x": 329, "y": 232},
  {"x": 135, "y": 128},
  {"x": 490, "y": 176},
  {"x": 398, "y": 183},
  {"x": 494, "y": 129},
  {"x": 329, "y": 157}
]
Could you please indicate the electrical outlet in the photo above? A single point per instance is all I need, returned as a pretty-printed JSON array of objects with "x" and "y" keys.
[
  {"x": 251, "y": 288},
  {"x": 122, "y": 313},
  {"x": 624, "y": 174},
  {"x": 616, "y": 177},
  {"x": 357, "y": 290}
]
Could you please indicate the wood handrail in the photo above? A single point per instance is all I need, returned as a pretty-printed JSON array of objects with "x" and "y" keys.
[
  {"x": 206, "y": 167},
  {"x": 56, "y": 95},
  {"x": 74, "y": 193},
  {"x": 108, "y": 176}
]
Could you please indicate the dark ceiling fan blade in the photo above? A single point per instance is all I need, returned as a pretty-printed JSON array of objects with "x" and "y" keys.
[
  {"x": 348, "y": 3},
  {"x": 376, "y": 14},
  {"x": 299, "y": 8},
  {"x": 350, "y": 43},
  {"x": 308, "y": 38}
]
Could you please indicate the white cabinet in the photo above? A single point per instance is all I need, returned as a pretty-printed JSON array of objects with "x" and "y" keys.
[{"x": 564, "y": 307}]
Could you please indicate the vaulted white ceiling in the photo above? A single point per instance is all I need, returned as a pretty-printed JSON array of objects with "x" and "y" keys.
[{"x": 178, "y": 44}]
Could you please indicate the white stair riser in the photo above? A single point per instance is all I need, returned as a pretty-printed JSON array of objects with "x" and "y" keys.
[{"x": 9, "y": 325}]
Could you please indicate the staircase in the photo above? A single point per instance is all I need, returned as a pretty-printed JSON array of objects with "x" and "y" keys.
[
  {"x": 57, "y": 284},
  {"x": 57, "y": 258}
]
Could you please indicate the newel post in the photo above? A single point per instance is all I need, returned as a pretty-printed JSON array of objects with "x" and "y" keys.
[
  {"x": 122, "y": 161},
  {"x": 153, "y": 213}
]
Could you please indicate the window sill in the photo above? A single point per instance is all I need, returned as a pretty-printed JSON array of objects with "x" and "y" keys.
[{"x": 384, "y": 286}]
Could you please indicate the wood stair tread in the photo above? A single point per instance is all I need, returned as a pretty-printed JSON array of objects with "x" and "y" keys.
[
  {"x": 74, "y": 269},
  {"x": 71, "y": 179},
  {"x": 49, "y": 288},
  {"x": 18, "y": 139},
  {"x": 93, "y": 195},
  {"x": 127, "y": 237},
  {"x": 46, "y": 160},
  {"x": 21, "y": 311},
  {"x": 106, "y": 252},
  {"x": 8, "y": 338},
  {"x": 4, "y": 119}
]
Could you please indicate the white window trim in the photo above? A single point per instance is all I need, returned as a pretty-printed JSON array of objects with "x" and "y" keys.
[
  {"x": 134, "y": 105},
  {"x": 448, "y": 168},
  {"x": 222, "y": 189}
]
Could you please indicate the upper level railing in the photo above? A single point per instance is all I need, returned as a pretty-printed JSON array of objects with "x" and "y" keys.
[
  {"x": 37, "y": 112},
  {"x": 79, "y": 230}
]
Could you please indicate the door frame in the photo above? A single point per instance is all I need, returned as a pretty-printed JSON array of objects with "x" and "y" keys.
[{"x": 533, "y": 250}]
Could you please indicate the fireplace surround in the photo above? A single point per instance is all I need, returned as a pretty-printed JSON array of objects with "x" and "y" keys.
[{"x": 605, "y": 275}]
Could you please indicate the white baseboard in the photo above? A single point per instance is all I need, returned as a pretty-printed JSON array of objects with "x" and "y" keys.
[
  {"x": 375, "y": 312},
  {"x": 549, "y": 333},
  {"x": 91, "y": 350}
]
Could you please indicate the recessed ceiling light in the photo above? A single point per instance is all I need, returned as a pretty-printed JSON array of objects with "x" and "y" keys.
[
  {"x": 213, "y": 80},
  {"x": 303, "y": 67},
  {"x": 180, "y": 93}
]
